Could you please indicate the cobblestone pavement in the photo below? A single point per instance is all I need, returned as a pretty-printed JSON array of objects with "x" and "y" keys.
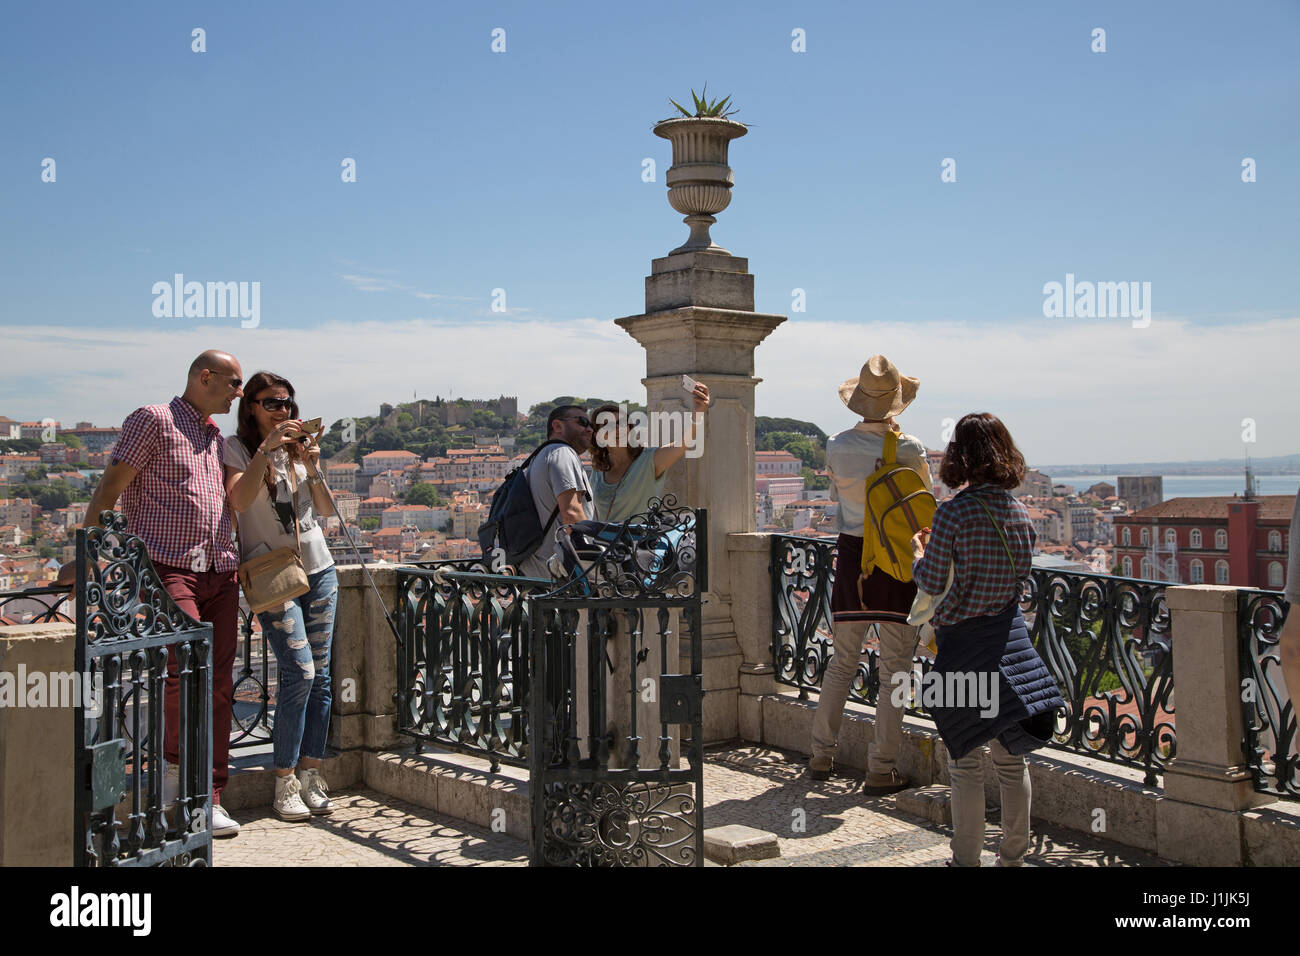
[
  {"x": 770, "y": 790},
  {"x": 367, "y": 828},
  {"x": 826, "y": 823}
]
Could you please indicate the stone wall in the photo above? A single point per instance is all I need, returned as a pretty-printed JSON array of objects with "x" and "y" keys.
[{"x": 36, "y": 750}]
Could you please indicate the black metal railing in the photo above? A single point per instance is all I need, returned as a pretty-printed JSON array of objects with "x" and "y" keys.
[
  {"x": 616, "y": 768},
  {"x": 38, "y": 605},
  {"x": 803, "y": 574},
  {"x": 1268, "y": 710},
  {"x": 594, "y": 683},
  {"x": 129, "y": 632},
  {"x": 1105, "y": 639},
  {"x": 462, "y": 666},
  {"x": 252, "y": 713}
]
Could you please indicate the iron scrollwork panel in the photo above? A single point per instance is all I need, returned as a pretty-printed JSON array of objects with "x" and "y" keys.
[
  {"x": 803, "y": 577},
  {"x": 617, "y": 768},
  {"x": 1107, "y": 642},
  {"x": 463, "y": 672},
  {"x": 1268, "y": 710},
  {"x": 128, "y": 632}
]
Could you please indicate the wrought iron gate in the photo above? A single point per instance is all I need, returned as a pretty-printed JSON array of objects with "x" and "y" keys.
[
  {"x": 127, "y": 626},
  {"x": 613, "y": 797}
]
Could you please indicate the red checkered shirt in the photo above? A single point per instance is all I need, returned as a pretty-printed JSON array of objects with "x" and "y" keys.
[
  {"x": 984, "y": 581},
  {"x": 177, "y": 502}
]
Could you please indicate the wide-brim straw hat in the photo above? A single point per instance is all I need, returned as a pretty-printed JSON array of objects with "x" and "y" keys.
[{"x": 880, "y": 391}]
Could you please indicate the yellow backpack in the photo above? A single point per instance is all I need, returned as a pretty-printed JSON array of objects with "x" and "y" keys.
[{"x": 898, "y": 506}]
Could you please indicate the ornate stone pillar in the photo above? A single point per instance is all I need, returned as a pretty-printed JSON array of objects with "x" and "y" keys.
[{"x": 700, "y": 321}]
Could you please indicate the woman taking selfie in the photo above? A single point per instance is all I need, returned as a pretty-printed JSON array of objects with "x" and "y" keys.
[
  {"x": 275, "y": 488},
  {"x": 626, "y": 476},
  {"x": 983, "y": 536}
]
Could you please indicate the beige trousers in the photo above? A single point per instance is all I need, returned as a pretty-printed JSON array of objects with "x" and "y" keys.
[
  {"x": 897, "y": 647},
  {"x": 968, "y": 805}
]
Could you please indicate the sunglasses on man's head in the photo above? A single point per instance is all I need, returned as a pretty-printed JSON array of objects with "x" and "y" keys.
[{"x": 273, "y": 404}]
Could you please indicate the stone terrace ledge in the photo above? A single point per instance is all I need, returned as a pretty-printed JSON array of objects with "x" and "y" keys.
[{"x": 400, "y": 808}]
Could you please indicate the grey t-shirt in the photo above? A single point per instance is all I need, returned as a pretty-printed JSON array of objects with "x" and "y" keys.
[
  {"x": 268, "y": 523},
  {"x": 555, "y": 470}
]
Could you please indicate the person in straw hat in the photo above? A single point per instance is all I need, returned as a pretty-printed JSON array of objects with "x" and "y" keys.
[{"x": 879, "y": 394}]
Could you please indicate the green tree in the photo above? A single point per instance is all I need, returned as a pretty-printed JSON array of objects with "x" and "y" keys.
[
  {"x": 422, "y": 493},
  {"x": 35, "y": 474},
  {"x": 813, "y": 481},
  {"x": 57, "y": 494},
  {"x": 763, "y": 425},
  {"x": 369, "y": 524},
  {"x": 46, "y": 552},
  {"x": 72, "y": 441},
  {"x": 804, "y": 448}
]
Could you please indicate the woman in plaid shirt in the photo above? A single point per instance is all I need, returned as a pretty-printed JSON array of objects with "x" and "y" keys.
[{"x": 985, "y": 537}]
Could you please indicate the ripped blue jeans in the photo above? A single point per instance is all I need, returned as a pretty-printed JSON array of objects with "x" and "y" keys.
[{"x": 300, "y": 635}]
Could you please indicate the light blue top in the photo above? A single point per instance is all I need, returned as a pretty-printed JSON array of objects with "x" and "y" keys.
[{"x": 620, "y": 500}]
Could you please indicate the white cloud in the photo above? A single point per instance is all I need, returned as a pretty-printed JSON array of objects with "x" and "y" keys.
[
  {"x": 367, "y": 283},
  {"x": 1090, "y": 391}
]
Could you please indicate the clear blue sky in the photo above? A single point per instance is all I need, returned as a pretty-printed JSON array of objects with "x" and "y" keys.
[{"x": 522, "y": 171}]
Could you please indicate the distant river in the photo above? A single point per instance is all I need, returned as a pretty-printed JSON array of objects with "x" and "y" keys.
[{"x": 1197, "y": 486}]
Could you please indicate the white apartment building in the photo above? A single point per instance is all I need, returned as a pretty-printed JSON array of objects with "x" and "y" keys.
[
  {"x": 378, "y": 462},
  {"x": 401, "y": 516}
]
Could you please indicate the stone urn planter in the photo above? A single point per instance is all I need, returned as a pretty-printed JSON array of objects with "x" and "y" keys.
[{"x": 699, "y": 180}]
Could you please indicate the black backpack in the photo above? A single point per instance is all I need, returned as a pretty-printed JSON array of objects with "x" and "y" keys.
[{"x": 512, "y": 524}]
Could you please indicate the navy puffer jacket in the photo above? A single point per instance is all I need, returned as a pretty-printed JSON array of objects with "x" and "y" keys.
[{"x": 1027, "y": 696}]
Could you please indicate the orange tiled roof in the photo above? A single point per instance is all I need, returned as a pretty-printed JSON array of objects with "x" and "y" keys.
[{"x": 1271, "y": 507}]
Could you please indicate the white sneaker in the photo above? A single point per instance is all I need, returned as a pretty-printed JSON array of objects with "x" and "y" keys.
[
  {"x": 222, "y": 824},
  {"x": 288, "y": 803},
  {"x": 314, "y": 791}
]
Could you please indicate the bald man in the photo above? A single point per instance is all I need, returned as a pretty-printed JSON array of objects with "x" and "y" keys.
[{"x": 167, "y": 469}]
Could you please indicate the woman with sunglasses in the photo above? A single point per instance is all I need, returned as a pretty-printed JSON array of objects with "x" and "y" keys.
[
  {"x": 272, "y": 477},
  {"x": 625, "y": 479}
]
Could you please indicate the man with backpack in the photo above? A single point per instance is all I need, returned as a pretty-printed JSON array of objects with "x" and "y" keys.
[
  {"x": 881, "y": 480},
  {"x": 550, "y": 488}
]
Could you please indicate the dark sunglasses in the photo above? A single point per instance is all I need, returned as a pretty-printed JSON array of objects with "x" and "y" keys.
[
  {"x": 273, "y": 404},
  {"x": 235, "y": 381},
  {"x": 581, "y": 420}
]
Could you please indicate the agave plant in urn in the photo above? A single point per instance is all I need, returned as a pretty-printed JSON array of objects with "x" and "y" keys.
[{"x": 699, "y": 180}]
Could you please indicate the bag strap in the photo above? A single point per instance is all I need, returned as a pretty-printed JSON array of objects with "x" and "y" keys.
[
  {"x": 890, "y": 453},
  {"x": 550, "y": 441},
  {"x": 550, "y": 521},
  {"x": 998, "y": 528},
  {"x": 291, "y": 476}
]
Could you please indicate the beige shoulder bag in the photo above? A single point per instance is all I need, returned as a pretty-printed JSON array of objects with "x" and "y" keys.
[{"x": 271, "y": 580}]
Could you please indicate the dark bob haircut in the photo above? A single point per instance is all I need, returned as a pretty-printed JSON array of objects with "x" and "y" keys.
[{"x": 982, "y": 453}]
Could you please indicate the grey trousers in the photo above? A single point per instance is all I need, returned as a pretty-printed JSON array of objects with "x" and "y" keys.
[
  {"x": 968, "y": 805},
  {"x": 897, "y": 646}
]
